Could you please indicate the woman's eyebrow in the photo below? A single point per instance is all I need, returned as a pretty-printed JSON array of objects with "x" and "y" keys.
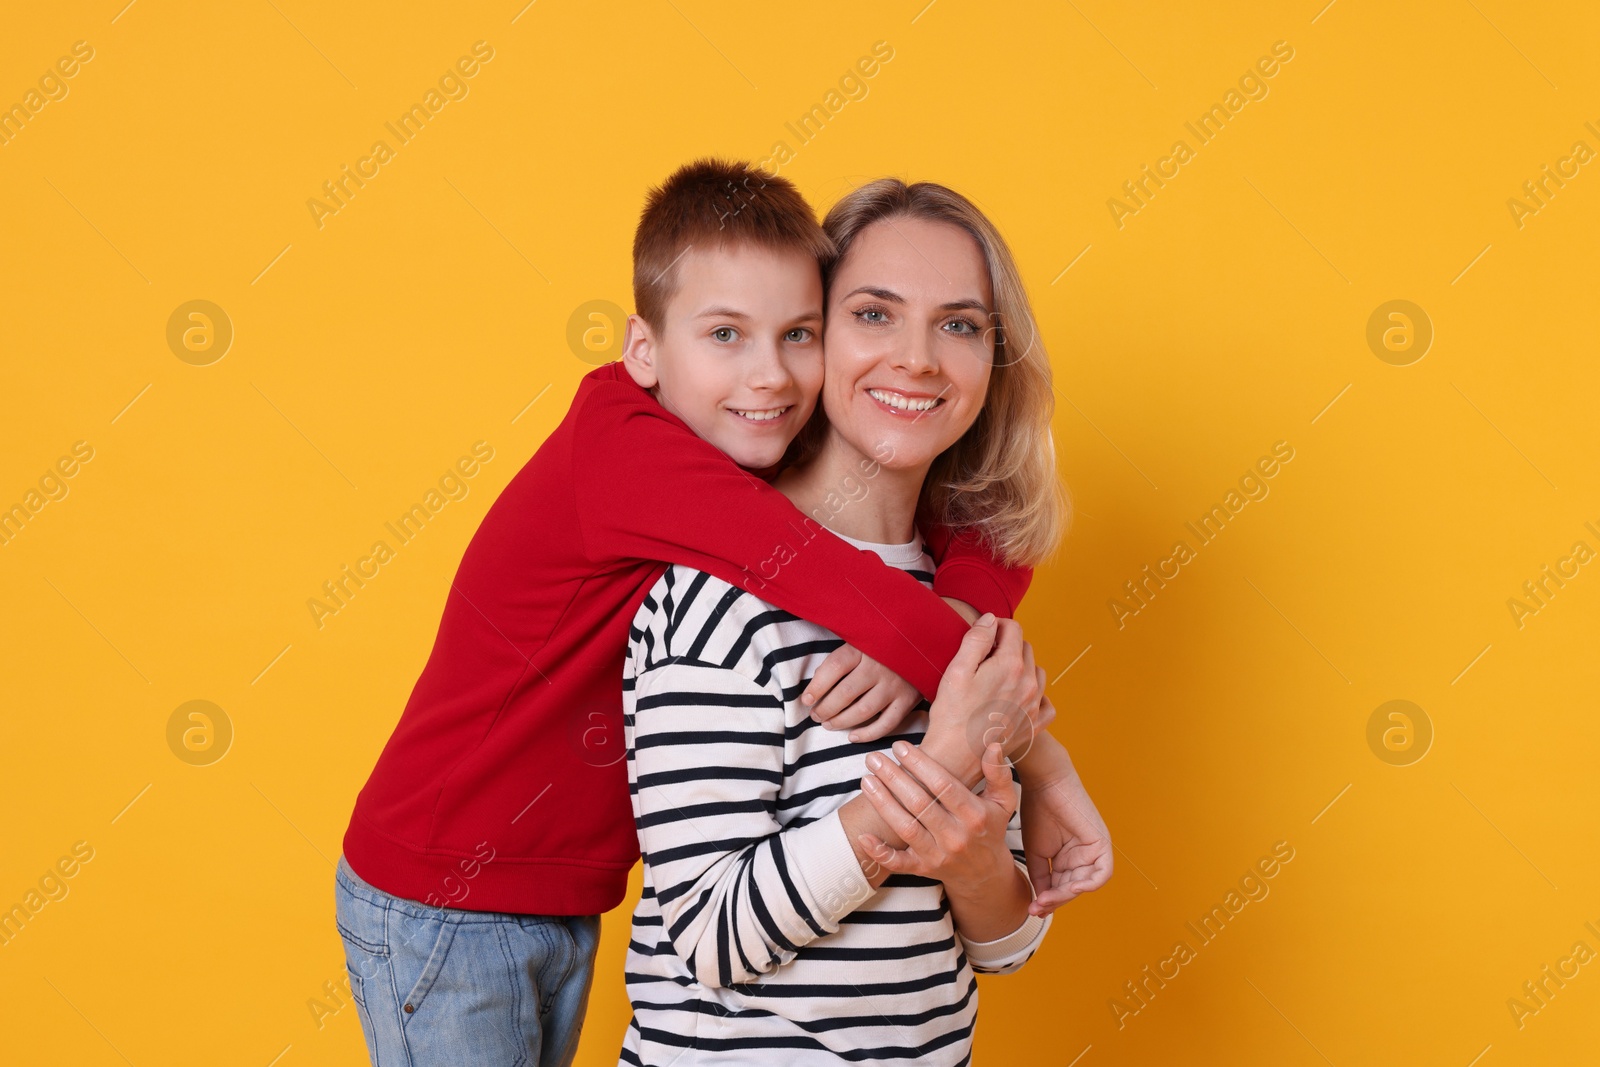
[
  {"x": 965, "y": 305},
  {"x": 872, "y": 290}
]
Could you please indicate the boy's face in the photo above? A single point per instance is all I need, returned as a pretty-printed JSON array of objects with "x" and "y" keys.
[{"x": 739, "y": 354}]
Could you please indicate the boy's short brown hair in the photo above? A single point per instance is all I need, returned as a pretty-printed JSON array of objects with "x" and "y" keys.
[{"x": 714, "y": 203}]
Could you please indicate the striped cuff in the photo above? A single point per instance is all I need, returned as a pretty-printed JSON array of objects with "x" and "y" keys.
[
  {"x": 824, "y": 859},
  {"x": 1011, "y": 950}
]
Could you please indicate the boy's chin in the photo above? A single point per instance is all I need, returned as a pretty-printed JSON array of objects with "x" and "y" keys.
[{"x": 760, "y": 461}]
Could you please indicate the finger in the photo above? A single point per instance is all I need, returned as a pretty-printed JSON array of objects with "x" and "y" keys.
[
  {"x": 840, "y": 662},
  {"x": 1038, "y": 873},
  {"x": 899, "y": 861},
  {"x": 868, "y": 704},
  {"x": 1046, "y": 714},
  {"x": 1051, "y": 899},
  {"x": 1008, "y": 639},
  {"x": 999, "y": 788},
  {"x": 919, "y": 776},
  {"x": 1070, "y": 883},
  {"x": 887, "y": 722},
  {"x": 849, "y": 689},
  {"x": 975, "y": 646},
  {"x": 1091, "y": 876},
  {"x": 901, "y": 821},
  {"x": 917, "y": 801}
]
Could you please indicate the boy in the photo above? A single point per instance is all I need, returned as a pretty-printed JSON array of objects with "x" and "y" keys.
[{"x": 497, "y": 825}]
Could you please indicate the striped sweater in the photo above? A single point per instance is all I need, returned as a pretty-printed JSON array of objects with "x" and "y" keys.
[{"x": 757, "y": 938}]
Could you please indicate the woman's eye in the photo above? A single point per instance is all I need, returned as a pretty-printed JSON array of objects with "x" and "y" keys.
[
  {"x": 962, "y": 327},
  {"x": 724, "y": 333},
  {"x": 872, "y": 315},
  {"x": 798, "y": 335}
]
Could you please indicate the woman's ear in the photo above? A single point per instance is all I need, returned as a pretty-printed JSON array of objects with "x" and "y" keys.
[{"x": 638, "y": 352}]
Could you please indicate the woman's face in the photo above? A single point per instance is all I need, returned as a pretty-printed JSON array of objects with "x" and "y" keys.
[{"x": 907, "y": 345}]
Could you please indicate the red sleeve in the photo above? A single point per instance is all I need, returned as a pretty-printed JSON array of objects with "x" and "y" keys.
[
  {"x": 970, "y": 572},
  {"x": 648, "y": 488}
]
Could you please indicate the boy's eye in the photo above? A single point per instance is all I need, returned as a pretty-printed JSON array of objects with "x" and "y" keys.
[
  {"x": 724, "y": 333},
  {"x": 798, "y": 335}
]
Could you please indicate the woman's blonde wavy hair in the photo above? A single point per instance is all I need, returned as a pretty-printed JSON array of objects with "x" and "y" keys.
[{"x": 999, "y": 480}]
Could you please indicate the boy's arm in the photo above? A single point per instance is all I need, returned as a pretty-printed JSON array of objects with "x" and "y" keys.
[
  {"x": 971, "y": 572},
  {"x": 648, "y": 488}
]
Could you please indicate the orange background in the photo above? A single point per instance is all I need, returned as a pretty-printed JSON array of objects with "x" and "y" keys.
[{"x": 431, "y": 311}]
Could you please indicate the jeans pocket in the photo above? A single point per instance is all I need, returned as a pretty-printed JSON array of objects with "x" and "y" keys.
[{"x": 420, "y": 946}]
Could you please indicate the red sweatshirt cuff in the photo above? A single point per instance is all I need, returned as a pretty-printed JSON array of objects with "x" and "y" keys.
[{"x": 974, "y": 584}]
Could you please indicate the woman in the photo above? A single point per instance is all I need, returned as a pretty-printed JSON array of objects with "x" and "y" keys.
[{"x": 759, "y": 928}]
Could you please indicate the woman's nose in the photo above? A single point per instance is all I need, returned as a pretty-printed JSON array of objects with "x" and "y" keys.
[{"x": 915, "y": 355}]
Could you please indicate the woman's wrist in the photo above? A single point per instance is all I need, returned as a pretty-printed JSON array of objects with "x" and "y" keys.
[
  {"x": 990, "y": 908},
  {"x": 951, "y": 752},
  {"x": 1046, "y": 761}
]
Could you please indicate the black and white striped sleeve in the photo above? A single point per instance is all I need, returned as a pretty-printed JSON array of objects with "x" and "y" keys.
[{"x": 739, "y": 894}]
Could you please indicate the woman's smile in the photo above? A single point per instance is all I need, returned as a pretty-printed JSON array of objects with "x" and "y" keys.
[{"x": 905, "y": 403}]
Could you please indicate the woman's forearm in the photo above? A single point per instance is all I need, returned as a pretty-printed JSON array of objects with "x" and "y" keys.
[{"x": 991, "y": 910}]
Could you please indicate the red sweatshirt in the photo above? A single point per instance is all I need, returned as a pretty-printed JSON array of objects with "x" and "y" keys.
[{"x": 502, "y": 787}]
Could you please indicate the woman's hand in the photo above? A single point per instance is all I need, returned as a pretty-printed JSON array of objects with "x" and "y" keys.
[
  {"x": 1067, "y": 843},
  {"x": 951, "y": 834},
  {"x": 851, "y": 687},
  {"x": 991, "y": 692}
]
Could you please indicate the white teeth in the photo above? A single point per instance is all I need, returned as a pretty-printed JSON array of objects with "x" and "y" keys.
[
  {"x": 759, "y": 416},
  {"x": 904, "y": 403}
]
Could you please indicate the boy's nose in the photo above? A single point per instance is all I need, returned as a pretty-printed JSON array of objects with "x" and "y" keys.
[{"x": 767, "y": 369}]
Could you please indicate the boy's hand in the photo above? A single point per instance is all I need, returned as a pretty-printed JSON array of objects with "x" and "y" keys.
[
  {"x": 851, "y": 687},
  {"x": 1066, "y": 840}
]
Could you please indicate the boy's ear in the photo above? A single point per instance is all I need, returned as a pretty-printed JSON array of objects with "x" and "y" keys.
[{"x": 638, "y": 352}]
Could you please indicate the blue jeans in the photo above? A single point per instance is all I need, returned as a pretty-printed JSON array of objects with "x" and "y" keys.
[{"x": 437, "y": 986}]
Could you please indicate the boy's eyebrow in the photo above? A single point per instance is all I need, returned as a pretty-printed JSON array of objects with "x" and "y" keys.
[{"x": 722, "y": 313}]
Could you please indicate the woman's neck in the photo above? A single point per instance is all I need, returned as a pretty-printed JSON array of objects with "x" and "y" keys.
[{"x": 854, "y": 494}]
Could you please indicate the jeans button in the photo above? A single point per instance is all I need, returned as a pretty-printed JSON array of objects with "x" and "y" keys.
[{"x": 409, "y": 1009}]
